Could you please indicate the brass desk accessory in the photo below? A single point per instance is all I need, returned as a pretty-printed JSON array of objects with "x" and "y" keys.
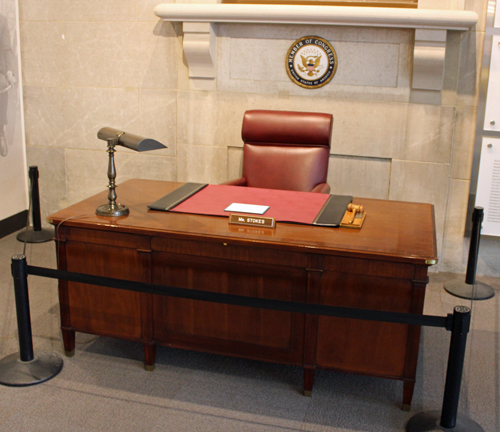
[{"x": 354, "y": 216}]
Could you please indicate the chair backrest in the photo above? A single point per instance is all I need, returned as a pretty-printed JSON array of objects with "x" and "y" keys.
[{"x": 286, "y": 149}]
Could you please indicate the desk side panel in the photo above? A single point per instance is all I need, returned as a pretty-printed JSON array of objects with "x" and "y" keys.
[
  {"x": 101, "y": 310},
  {"x": 366, "y": 347}
]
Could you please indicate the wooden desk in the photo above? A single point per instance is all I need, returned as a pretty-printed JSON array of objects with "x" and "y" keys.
[{"x": 382, "y": 266}]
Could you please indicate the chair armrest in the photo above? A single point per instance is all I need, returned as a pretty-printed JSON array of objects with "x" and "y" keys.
[
  {"x": 242, "y": 181},
  {"x": 321, "y": 188}
]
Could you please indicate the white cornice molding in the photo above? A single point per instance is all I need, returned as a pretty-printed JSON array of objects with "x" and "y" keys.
[
  {"x": 430, "y": 27},
  {"x": 318, "y": 15}
]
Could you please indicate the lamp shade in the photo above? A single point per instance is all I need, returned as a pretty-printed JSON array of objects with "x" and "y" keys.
[{"x": 129, "y": 140}]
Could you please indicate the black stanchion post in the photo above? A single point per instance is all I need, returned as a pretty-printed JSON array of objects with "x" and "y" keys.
[
  {"x": 35, "y": 198},
  {"x": 35, "y": 234},
  {"x": 470, "y": 289},
  {"x": 456, "y": 359},
  {"x": 475, "y": 238},
  {"x": 449, "y": 419},
  {"x": 20, "y": 275},
  {"x": 25, "y": 368}
]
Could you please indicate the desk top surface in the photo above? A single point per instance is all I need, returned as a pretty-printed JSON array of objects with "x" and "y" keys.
[{"x": 393, "y": 230}]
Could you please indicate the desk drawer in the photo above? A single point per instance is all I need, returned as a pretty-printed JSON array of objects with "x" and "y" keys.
[
  {"x": 108, "y": 238},
  {"x": 363, "y": 266},
  {"x": 227, "y": 251}
]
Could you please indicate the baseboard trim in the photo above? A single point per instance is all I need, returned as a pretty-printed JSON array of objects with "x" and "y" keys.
[{"x": 13, "y": 223}]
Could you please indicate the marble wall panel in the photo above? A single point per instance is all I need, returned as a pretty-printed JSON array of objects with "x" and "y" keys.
[
  {"x": 451, "y": 67},
  {"x": 422, "y": 182},
  {"x": 71, "y": 117},
  {"x": 158, "y": 117},
  {"x": 78, "y": 10},
  {"x": 359, "y": 63},
  {"x": 429, "y": 133},
  {"x": 123, "y": 54},
  {"x": 426, "y": 97},
  {"x": 257, "y": 59},
  {"x": 371, "y": 129},
  {"x": 204, "y": 164},
  {"x": 234, "y": 162},
  {"x": 205, "y": 118},
  {"x": 52, "y": 178},
  {"x": 332, "y": 33},
  {"x": 359, "y": 177},
  {"x": 454, "y": 252},
  {"x": 463, "y": 142},
  {"x": 87, "y": 171},
  {"x": 198, "y": 117},
  {"x": 368, "y": 64},
  {"x": 264, "y": 72},
  {"x": 471, "y": 55}
]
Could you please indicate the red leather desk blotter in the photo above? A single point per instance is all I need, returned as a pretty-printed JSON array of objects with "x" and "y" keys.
[{"x": 284, "y": 206}]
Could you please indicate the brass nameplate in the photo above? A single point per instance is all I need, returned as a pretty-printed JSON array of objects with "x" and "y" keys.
[{"x": 265, "y": 222}]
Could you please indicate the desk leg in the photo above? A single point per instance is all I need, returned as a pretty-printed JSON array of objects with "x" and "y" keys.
[
  {"x": 417, "y": 306},
  {"x": 69, "y": 342},
  {"x": 149, "y": 356},
  {"x": 308, "y": 380},
  {"x": 408, "y": 387},
  {"x": 314, "y": 272}
]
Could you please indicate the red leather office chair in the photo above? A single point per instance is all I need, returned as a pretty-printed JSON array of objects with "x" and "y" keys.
[{"x": 285, "y": 150}]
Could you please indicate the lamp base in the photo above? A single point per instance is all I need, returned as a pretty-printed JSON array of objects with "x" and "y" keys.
[{"x": 116, "y": 210}]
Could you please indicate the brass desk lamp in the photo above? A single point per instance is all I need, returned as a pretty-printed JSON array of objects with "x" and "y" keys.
[{"x": 116, "y": 137}]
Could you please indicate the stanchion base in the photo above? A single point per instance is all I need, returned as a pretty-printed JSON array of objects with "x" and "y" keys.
[
  {"x": 463, "y": 290},
  {"x": 16, "y": 373},
  {"x": 429, "y": 421},
  {"x": 32, "y": 236}
]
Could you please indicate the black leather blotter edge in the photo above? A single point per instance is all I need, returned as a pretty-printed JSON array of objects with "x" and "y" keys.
[
  {"x": 332, "y": 212},
  {"x": 175, "y": 197}
]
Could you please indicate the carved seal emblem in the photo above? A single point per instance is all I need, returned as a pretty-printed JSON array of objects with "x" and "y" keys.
[{"x": 311, "y": 62}]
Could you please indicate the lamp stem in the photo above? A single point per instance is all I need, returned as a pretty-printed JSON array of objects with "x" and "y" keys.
[
  {"x": 112, "y": 208},
  {"x": 112, "y": 172}
]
